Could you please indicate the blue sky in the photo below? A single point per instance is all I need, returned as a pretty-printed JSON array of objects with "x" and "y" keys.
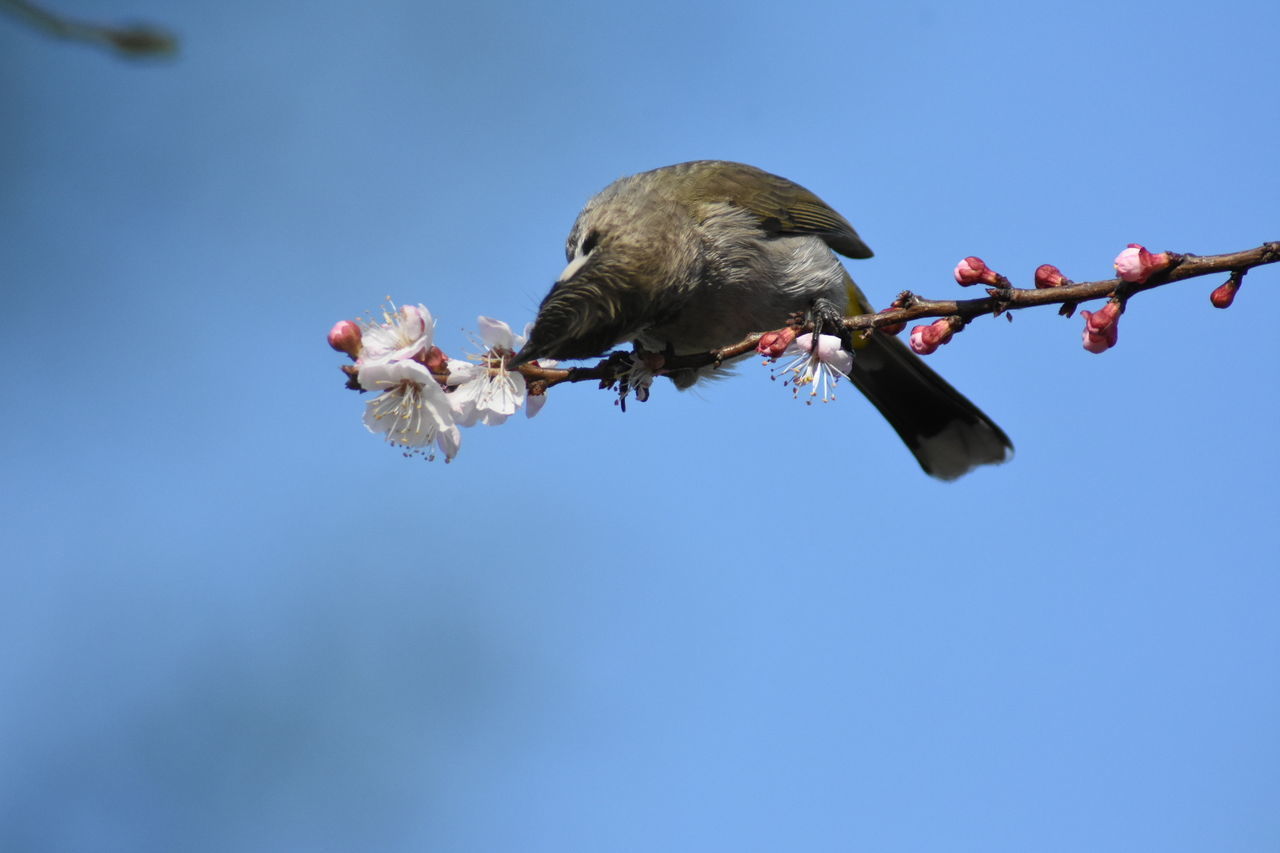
[{"x": 234, "y": 620}]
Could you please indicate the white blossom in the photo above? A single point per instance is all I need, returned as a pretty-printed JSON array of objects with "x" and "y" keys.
[
  {"x": 489, "y": 398},
  {"x": 412, "y": 410},
  {"x": 818, "y": 367},
  {"x": 486, "y": 391},
  {"x": 403, "y": 335}
]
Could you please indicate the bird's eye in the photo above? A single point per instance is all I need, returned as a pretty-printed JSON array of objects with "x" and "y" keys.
[{"x": 589, "y": 243}]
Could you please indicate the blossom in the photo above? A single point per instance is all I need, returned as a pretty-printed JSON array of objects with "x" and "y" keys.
[
  {"x": 403, "y": 335},
  {"x": 489, "y": 398},
  {"x": 1136, "y": 264},
  {"x": 927, "y": 339},
  {"x": 487, "y": 391},
  {"x": 819, "y": 366},
  {"x": 1102, "y": 327},
  {"x": 412, "y": 410}
]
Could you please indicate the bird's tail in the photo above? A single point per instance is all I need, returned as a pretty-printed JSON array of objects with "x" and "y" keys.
[{"x": 948, "y": 435}]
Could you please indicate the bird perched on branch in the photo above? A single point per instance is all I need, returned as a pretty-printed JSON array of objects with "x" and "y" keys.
[{"x": 694, "y": 257}]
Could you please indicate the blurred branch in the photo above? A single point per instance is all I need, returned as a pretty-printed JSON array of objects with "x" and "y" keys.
[{"x": 138, "y": 41}]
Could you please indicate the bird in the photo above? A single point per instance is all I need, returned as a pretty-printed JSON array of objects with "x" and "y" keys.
[{"x": 693, "y": 257}]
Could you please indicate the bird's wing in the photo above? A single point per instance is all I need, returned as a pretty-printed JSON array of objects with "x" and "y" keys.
[{"x": 783, "y": 207}]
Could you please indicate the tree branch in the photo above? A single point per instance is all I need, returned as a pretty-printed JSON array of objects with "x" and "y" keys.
[
  {"x": 909, "y": 307},
  {"x": 135, "y": 41},
  {"x": 425, "y": 396}
]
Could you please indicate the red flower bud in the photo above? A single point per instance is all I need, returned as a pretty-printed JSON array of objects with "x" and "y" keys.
[
  {"x": 891, "y": 328},
  {"x": 973, "y": 270},
  {"x": 926, "y": 339},
  {"x": 772, "y": 344},
  {"x": 1225, "y": 293},
  {"x": 1047, "y": 275},
  {"x": 345, "y": 337}
]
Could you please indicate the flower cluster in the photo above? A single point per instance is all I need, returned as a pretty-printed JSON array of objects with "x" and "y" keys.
[{"x": 426, "y": 396}]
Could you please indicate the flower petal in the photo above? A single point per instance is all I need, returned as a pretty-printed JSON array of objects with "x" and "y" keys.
[
  {"x": 464, "y": 400},
  {"x": 495, "y": 334},
  {"x": 380, "y": 376},
  {"x": 449, "y": 441},
  {"x": 461, "y": 372}
]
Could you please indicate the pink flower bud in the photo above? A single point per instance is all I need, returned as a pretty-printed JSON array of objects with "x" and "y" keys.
[
  {"x": 926, "y": 339},
  {"x": 1102, "y": 327},
  {"x": 772, "y": 344},
  {"x": 1132, "y": 264},
  {"x": 1047, "y": 275},
  {"x": 973, "y": 270},
  {"x": 1098, "y": 343},
  {"x": 1104, "y": 318},
  {"x": 1136, "y": 264},
  {"x": 345, "y": 337},
  {"x": 1225, "y": 293},
  {"x": 891, "y": 328}
]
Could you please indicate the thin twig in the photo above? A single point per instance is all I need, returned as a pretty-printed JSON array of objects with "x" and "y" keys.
[{"x": 135, "y": 41}]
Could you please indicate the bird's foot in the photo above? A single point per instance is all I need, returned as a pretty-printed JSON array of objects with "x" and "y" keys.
[{"x": 826, "y": 319}]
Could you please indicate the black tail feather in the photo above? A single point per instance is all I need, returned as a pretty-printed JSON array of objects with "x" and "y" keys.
[{"x": 948, "y": 435}]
